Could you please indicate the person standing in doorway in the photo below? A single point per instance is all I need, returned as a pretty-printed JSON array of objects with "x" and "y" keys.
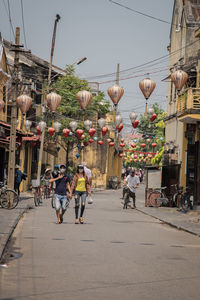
[
  {"x": 132, "y": 181},
  {"x": 80, "y": 185},
  {"x": 19, "y": 176},
  {"x": 61, "y": 201}
]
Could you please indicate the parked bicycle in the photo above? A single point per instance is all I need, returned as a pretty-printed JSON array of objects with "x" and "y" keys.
[
  {"x": 177, "y": 194},
  {"x": 8, "y": 197},
  {"x": 186, "y": 200},
  {"x": 157, "y": 197}
]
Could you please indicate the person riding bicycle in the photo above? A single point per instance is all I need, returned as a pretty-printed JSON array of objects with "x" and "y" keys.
[{"x": 132, "y": 181}]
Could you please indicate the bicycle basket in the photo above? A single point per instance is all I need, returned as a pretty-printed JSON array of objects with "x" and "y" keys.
[{"x": 35, "y": 183}]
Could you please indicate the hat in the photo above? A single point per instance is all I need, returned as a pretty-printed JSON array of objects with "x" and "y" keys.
[
  {"x": 81, "y": 166},
  {"x": 47, "y": 170},
  {"x": 17, "y": 167},
  {"x": 62, "y": 166}
]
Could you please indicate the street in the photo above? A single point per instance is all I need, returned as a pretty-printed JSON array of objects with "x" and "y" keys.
[{"x": 116, "y": 254}]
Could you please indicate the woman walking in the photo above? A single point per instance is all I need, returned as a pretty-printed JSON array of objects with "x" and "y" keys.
[{"x": 80, "y": 186}]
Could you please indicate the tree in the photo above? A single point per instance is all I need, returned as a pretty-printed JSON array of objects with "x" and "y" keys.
[{"x": 67, "y": 87}]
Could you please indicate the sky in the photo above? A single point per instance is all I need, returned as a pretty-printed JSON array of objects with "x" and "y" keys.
[{"x": 106, "y": 34}]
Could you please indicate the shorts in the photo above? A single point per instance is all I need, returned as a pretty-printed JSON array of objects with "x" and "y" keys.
[{"x": 61, "y": 202}]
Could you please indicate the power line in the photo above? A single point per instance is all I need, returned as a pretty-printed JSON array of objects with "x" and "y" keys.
[
  {"x": 22, "y": 9},
  {"x": 9, "y": 17}
]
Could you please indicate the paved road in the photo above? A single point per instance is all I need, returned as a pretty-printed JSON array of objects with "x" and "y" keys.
[{"x": 116, "y": 254}]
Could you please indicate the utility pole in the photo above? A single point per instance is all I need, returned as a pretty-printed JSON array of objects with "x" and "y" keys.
[
  {"x": 49, "y": 82},
  {"x": 12, "y": 145}
]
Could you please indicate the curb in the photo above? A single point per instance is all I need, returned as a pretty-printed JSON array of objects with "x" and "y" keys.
[
  {"x": 169, "y": 223},
  {"x": 7, "y": 237}
]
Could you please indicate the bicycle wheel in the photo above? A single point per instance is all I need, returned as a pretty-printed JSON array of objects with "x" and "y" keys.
[
  {"x": 37, "y": 197},
  {"x": 154, "y": 198},
  {"x": 9, "y": 199},
  {"x": 176, "y": 199}
]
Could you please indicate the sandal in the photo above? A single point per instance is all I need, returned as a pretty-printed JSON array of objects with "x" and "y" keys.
[
  {"x": 61, "y": 219},
  {"x": 76, "y": 221},
  {"x": 58, "y": 222},
  {"x": 81, "y": 220}
]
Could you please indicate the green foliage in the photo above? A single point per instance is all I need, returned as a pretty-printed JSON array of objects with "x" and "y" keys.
[
  {"x": 156, "y": 160},
  {"x": 67, "y": 87}
]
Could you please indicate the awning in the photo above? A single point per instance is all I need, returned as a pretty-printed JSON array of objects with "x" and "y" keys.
[
  {"x": 17, "y": 130},
  {"x": 34, "y": 138},
  {"x": 190, "y": 118},
  {"x": 6, "y": 141}
]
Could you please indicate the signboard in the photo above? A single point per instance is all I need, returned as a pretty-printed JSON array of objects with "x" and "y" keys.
[{"x": 154, "y": 178}]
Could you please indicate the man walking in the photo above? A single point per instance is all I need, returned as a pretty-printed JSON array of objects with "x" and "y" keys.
[
  {"x": 132, "y": 181},
  {"x": 60, "y": 197}
]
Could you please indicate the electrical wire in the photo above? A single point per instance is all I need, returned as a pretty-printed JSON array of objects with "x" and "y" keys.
[
  {"x": 23, "y": 23},
  {"x": 9, "y": 17}
]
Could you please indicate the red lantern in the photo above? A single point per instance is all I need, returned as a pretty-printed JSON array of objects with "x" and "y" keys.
[
  {"x": 140, "y": 160},
  {"x": 79, "y": 133},
  {"x": 51, "y": 131},
  {"x": 133, "y": 145},
  {"x": 85, "y": 144},
  {"x": 92, "y": 132},
  {"x": 143, "y": 145},
  {"x": 100, "y": 142},
  {"x": 135, "y": 160},
  {"x": 153, "y": 145},
  {"x": 111, "y": 144},
  {"x": 122, "y": 140},
  {"x": 104, "y": 130},
  {"x": 135, "y": 123},
  {"x": 121, "y": 155},
  {"x": 149, "y": 156},
  {"x": 91, "y": 141},
  {"x": 135, "y": 156},
  {"x": 120, "y": 127},
  {"x": 38, "y": 129},
  {"x": 66, "y": 132},
  {"x": 154, "y": 116},
  {"x": 122, "y": 145}
]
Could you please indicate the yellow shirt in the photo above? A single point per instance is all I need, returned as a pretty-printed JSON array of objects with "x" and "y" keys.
[{"x": 80, "y": 187}]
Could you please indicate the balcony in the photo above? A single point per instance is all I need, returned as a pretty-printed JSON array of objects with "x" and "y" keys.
[{"x": 188, "y": 106}]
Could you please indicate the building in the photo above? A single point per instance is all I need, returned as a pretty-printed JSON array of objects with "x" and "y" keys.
[{"x": 182, "y": 149}]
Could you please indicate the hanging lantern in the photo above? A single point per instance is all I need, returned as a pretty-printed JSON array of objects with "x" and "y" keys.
[
  {"x": 28, "y": 124},
  {"x": 100, "y": 143},
  {"x": 153, "y": 145},
  {"x": 135, "y": 160},
  {"x": 150, "y": 111},
  {"x": 122, "y": 145},
  {"x": 71, "y": 133},
  {"x": 140, "y": 160},
  {"x": 51, "y": 131},
  {"x": 179, "y": 79},
  {"x": 135, "y": 124},
  {"x": 91, "y": 141},
  {"x": 42, "y": 125},
  {"x": 24, "y": 102},
  {"x": 147, "y": 87},
  {"x": 53, "y": 101},
  {"x": 143, "y": 145},
  {"x": 133, "y": 145},
  {"x": 79, "y": 133},
  {"x": 73, "y": 125},
  {"x": 135, "y": 156},
  {"x": 104, "y": 130},
  {"x": 95, "y": 138},
  {"x": 87, "y": 124},
  {"x": 154, "y": 116},
  {"x": 122, "y": 140},
  {"x": 92, "y": 132},
  {"x": 120, "y": 127},
  {"x": 77, "y": 155},
  {"x": 148, "y": 140},
  {"x": 109, "y": 140},
  {"x": 57, "y": 126},
  {"x": 133, "y": 116},
  {"x": 149, "y": 156},
  {"x": 2, "y": 104},
  {"x": 38, "y": 129},
  {"x": 115, "y": 93},
  {"x": 58, "y": 148},
  {"x": 85, "y": 144},
  {"x": 66, "y": 132},
  {"x": 118, "y": 120},
  {"x": 84, "y": 98},
  {"x": 101, "y": 122},
  {"x": 111, "y": 144},
  {"x": 121, "y": 155}
]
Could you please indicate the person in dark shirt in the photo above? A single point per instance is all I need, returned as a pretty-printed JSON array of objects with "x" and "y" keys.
[{"x": 61, "y": 201}]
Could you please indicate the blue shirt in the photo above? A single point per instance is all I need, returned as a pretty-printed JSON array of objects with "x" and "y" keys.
[{"x": 61, "y": 188}]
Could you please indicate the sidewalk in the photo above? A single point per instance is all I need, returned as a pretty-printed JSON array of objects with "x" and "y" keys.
[
  {"x": 189, "y": 222},
  {"x": 10, "y": 218}
]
